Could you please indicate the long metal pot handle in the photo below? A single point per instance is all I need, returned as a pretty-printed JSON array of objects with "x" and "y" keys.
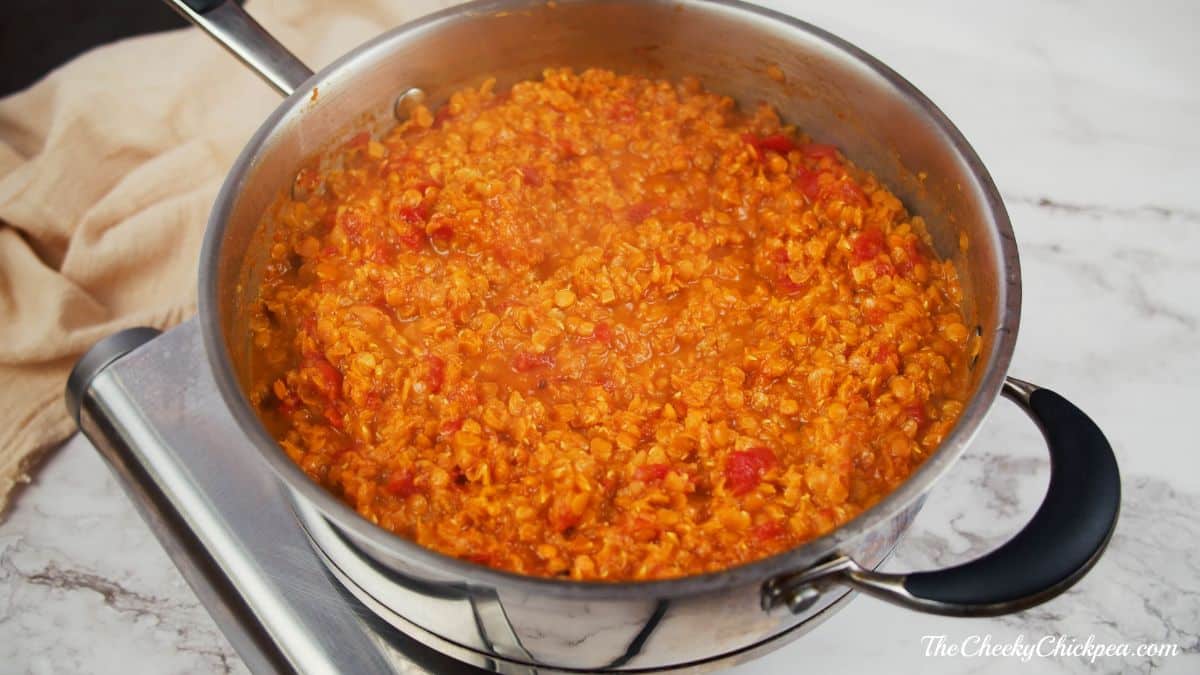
[
  {"x": 238, "y": 32},
  {"x": 1055, "y": 549}
]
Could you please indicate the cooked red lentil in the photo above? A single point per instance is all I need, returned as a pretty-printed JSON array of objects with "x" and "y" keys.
[{"x": 604, "y": 327}]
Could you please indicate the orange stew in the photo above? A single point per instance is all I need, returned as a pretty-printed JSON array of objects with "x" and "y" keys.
[{"x": 604, "y": 327}]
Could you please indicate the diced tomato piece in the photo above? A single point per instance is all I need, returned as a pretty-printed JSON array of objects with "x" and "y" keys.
[
  {"x": 413, "y": 239},
  {"x": 442, "y": 234},
  {"x": 359, "y": 140},
  {"x": 868, "y": 245},
  {"x": 681, "y": 408},
  {"x": 745, "y": 468},
  {"x": 649, "y": 473},
  {"x": 789, "y": 287},
  {"x": 603, "y": 333},
  {"x": 440, "y": 117},
  {"x": 772, "y": 529},
  {"x": 875, "y": 316},
  {"x": 913, "y": 257},
  {"x": 413, "y": 215},
  {"x": 437, "y": 373},
  {"x": 807, "y": 182},
  {"x": 486, "y": 559},
  {"x": 885, "y": 353},
  {"x": 916, "y": 250},
  {"x": 325, "y": 224},
  {"x": 625, "y": 111},
  {"x": 774, "y": 143},
  {"x": 344, "y": 449},
  {"x": 639, "y": 212},
  {"x": 524, "y": 362},
  {"x": 643, "y": 529},
  {"x": 373, "y": 400},
  {"x": 648, "y": 429},
  {"x": 401, "y": 483},
  {"x": 397, "y": 162},
  {"x": 852, "y": 194},
  {"x": 818, "y": 150},
  {"x": 531, "y": 176},
  {"x": 780, "y": 255},
  {"x": 498, "y": 99},
  {"x": 610, "y": 484},
  {"x": 777, "y": 143},
  {"x": 309, "y": 325},
  {"x": 452, "y": 426},
  {"x": 380, "y": 303},
  {"x": 916, "y": 412},
  {"x": 568, "y": 149},
  {"x": 562, "y": 518},
  {"x": 503, "y": 255},
  {"x": 384, "y": 253},
  {"x": 765, "y": 456},
  {"x": 334, "y": 417},
  {"x": 329, "y": 381}
]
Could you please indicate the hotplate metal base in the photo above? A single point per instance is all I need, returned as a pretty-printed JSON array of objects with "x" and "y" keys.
[{"x": 150, "y": 406}]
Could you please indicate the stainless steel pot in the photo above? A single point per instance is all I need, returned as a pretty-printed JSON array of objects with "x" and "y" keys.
[{"x": 833, "y": 91}]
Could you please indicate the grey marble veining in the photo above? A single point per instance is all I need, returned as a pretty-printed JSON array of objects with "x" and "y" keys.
[
  {"x": 85, "y": 587},
  {"x": 1086, "y": 113}
]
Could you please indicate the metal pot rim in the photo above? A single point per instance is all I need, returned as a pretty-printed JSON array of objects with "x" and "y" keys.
[{"x": 759, "y": 571}]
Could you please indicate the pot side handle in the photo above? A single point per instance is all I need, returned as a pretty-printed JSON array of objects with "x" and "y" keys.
[
  {"x": 1065, "y": 537},
  {"x": 227, "y": 23}
]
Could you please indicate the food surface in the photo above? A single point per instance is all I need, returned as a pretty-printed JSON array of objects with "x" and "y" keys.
[{"x": 603, "y": 327}]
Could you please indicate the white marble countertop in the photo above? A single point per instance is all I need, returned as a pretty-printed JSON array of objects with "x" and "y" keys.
[{"x": 1086, "y": 113}]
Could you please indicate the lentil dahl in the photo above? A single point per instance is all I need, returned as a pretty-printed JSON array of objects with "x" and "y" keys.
[{"x": 604, "y": 327}]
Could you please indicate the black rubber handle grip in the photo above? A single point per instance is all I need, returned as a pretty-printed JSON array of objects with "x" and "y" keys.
[{"x": 1064, "y": 538}]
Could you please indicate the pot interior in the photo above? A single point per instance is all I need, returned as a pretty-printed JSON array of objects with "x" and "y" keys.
[{"x": 825, "y": 87}]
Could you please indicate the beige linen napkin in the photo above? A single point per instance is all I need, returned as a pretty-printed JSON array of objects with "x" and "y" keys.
[{"x": 108, "y": 167}]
